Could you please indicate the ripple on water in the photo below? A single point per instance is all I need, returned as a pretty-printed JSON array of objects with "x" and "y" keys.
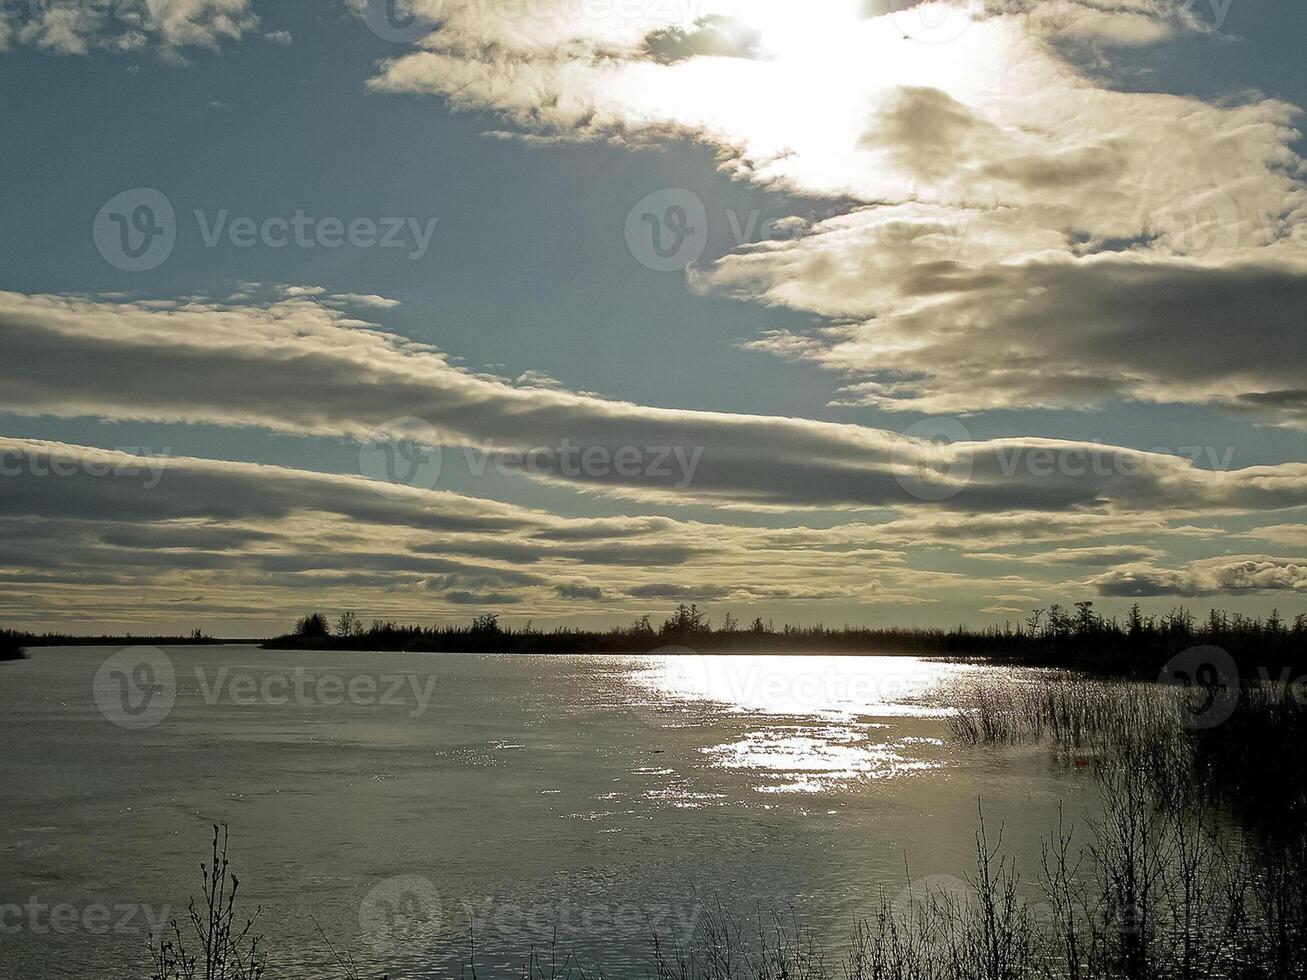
[{"x": 682, "y": 798}]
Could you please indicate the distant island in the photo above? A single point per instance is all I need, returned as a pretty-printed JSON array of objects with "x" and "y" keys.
[
  {"x": 13, "y": 642},
  {"x": 1075, "y": 637}
]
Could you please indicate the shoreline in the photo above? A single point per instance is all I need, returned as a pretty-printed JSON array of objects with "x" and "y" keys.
[{"x": 1076, "y": 639}]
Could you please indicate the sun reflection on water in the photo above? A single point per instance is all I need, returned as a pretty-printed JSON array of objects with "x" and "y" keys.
[
  {"x": 823, "y": 722},
  {"x": 816, "y": 686},
  {"x": 812, "y": 760}
]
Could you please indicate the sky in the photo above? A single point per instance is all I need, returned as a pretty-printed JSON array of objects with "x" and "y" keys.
[{"x": 856, "y": 311}]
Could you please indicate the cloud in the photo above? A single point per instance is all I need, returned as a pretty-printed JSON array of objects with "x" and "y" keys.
[
  {"x": 1211, "y": 576},
  {"x": 1115, "y": 22},
  {"x": 711, "y": 36},
  {"x": 110, "y": 532},
  {"x": 89, "y": 526},
  {"x": 574, "y": 590},
  {"x": 1098, "y": 556},
  {"x": 830, "y": 108},
  {"x": 1283, "y": 535},
  {"x": 300, "y": 367},
  {"x": 537, "y": 379},
  {"x": 482, "y": 598},
  {"x": 945, "y": 333},
  {"x": 1024, "y": 234},
  {"x": 74, "y": 27},
  {"x": 601, "y": 528},
  {"x": 369, "y": 300},
  {"x": 673, "y": 590}
]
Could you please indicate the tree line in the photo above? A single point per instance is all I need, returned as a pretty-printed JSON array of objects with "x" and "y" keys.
[{"x": 1075, "y": 636}]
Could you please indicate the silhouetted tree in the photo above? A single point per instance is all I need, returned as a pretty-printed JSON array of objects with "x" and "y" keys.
[
  {"x": 1086, "y": 620},
  {"x": 1033, "y": 620},
  {"x": 1135, "y": 622},
  {"x": 1059, "y": 624},
  {"x": 314, "y": 624},
  {"x": 487, "y": 624},
  {"x": 687, "y": 619},
  {"x": 349, "y": 625}
]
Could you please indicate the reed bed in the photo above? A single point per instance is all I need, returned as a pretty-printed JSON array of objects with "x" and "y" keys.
[
  {"x": 1146, "y": 892},
  {"x": 1149, "y": 892},
  {"x": 1081, "y": 714},
  {"x": 1246, "y": 762}
]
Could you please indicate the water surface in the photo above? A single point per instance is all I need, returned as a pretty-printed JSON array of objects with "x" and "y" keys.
[{"x": 592, "y": 798}]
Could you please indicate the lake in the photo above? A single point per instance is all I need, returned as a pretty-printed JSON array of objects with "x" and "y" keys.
[{"x": 405, "y": 801}]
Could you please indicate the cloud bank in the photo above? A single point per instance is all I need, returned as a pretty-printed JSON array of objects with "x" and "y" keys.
[
  {"x": 1028, "y": 234},
  {"x": 302, "y": 367},
  {"x": 1211, "y": 576}
]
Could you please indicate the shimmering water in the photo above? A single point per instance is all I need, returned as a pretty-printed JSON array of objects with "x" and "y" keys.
[{"x": 591, "y": 798}]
